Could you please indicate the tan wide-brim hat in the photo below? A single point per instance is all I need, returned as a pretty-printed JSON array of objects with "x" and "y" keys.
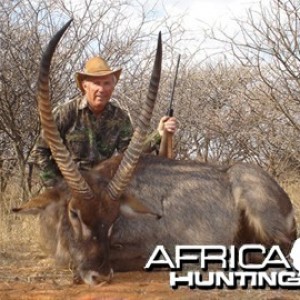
[{"x": 95, "y": 67}]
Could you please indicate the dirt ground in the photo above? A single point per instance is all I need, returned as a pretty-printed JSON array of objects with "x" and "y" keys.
[{"x": 27, "y": 274}]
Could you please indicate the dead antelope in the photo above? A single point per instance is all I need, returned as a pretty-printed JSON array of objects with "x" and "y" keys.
[{"x": 112, "y": 217}]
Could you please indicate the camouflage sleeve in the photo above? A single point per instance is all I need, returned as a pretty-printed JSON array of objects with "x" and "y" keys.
[
  {"x": 41, "y": 154},
  {"x": 152, "y": 142},
  {"x": 125, "y": 134}
]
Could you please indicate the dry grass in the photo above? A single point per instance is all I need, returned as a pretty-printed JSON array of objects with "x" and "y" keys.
[{"x": 16, "y": 228}]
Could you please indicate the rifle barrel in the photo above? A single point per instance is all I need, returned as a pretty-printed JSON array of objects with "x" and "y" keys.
[{"x": 170, "y": 112}]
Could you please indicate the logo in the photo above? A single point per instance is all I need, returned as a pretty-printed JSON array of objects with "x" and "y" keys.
[
  {"x": 217, "y": 266},
  {"x": 295, "y": 255}
]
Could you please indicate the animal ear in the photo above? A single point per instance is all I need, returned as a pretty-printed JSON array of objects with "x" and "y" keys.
[
  {"x": 132, "y": 207},
  {"x": 36, "y": 204}
]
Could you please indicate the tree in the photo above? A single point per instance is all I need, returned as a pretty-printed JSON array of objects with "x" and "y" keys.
[
  {"x": 119, "y": 30},
  {"x": 267, "y": 44}
]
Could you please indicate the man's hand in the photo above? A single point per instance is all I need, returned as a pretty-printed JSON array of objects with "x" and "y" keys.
[{"x": 167, "y": 124}]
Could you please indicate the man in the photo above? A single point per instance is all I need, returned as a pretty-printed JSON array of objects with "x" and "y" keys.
[{"x": 93, "y": 128}]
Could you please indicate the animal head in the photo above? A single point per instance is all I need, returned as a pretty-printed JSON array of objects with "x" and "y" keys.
[{"x": 84, "y": 207}]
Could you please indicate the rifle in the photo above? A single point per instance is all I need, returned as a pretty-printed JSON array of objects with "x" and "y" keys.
[{"x": 166, "y": 145}]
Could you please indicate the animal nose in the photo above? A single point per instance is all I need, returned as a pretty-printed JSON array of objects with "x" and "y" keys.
[{"x": 93, "y": 277}]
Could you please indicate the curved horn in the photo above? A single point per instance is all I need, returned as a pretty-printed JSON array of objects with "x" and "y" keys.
[
  {"x": 59, "y": 151},
  {"x": 131, "y": 156}
]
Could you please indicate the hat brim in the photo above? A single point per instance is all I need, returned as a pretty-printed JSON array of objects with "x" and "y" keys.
[{"x": 79, "y": 76}]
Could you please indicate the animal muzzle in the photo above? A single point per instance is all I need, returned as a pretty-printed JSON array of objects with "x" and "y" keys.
[{"x": 92, "y": 277}]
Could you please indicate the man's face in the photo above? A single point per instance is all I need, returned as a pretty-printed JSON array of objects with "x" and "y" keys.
[{"x": 98, "y": 91}]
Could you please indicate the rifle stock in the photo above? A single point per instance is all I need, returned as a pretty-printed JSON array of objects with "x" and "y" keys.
[{"x": 166, "y": 145}]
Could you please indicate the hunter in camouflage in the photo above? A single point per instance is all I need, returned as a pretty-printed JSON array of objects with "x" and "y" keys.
[{"x": 91, "y": 126}]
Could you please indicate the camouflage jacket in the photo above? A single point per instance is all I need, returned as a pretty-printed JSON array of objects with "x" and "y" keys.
[{"x": 89, "y": 139}]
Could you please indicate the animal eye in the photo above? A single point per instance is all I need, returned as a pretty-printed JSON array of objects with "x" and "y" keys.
[{"x": 73, "y": 214}]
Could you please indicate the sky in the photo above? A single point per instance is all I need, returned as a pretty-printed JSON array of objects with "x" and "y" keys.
[
  {"x": 210, "y": 11},
  {"x": 197, "y": 12},
  {"x": 201, "y": 14},
  {"x": 198, "y": 16}
]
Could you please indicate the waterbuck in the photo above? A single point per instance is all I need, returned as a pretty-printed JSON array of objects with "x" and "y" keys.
[{"x": 112, "y": 217}]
